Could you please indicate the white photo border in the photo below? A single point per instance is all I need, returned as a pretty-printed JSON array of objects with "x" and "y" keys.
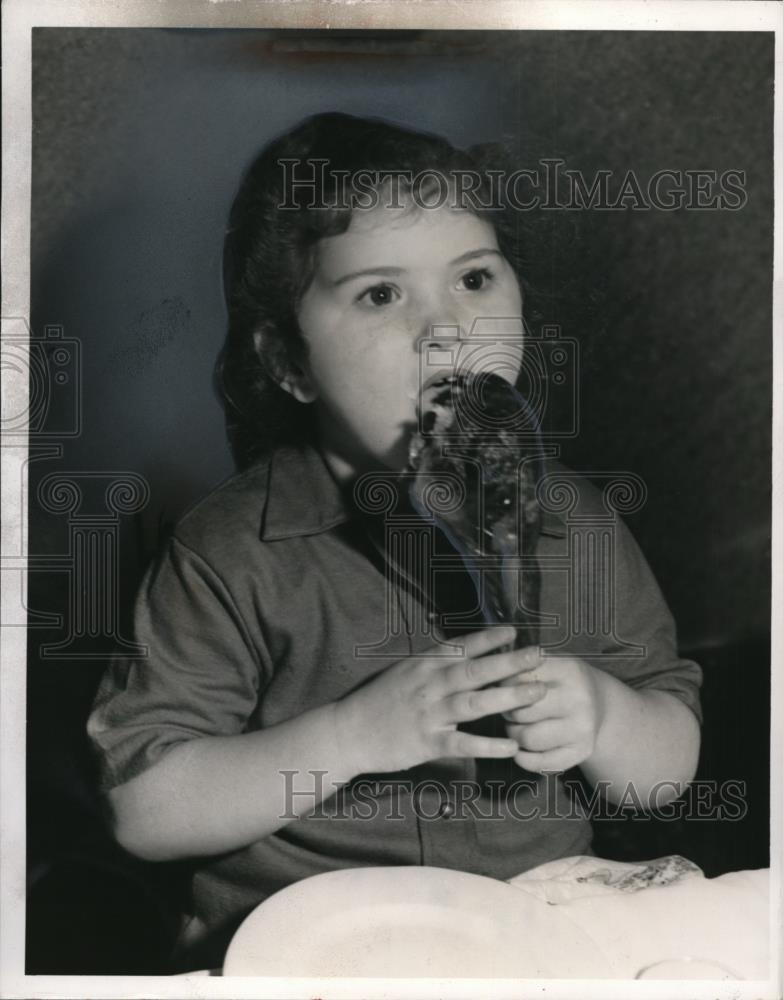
[{"x": 20, "y": 17}]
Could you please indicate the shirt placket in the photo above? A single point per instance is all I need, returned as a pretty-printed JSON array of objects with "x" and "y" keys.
[{"x": 445, "y": 824}]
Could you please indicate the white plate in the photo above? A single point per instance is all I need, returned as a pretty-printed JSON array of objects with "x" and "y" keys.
[{"x": 410, "y": 922}]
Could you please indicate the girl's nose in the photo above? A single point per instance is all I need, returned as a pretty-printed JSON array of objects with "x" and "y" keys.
[
  {"x": 443, "y": 336},
  {"x": 441, "y": 328},
  {"x": 441, "y": 321}
]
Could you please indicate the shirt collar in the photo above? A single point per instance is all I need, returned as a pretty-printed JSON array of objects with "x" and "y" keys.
[{"x": 303, "y": 498}]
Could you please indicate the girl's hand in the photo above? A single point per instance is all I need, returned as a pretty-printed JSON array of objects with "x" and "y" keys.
[
  {"x": 560, "y": 730},
  {"x": 409, "y": 713}
]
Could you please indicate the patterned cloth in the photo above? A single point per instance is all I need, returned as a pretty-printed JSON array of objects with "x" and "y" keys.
[{"x": 566, "y": 879}]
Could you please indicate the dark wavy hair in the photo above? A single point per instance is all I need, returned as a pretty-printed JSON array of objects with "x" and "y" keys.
[{"x": 269, "y": 254}]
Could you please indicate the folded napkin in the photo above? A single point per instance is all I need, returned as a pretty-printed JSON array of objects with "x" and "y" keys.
[
  {"x": 661, "y": 910},
  {"x": 567, "y": 879}
]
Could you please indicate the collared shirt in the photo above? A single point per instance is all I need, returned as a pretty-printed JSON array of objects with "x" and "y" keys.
[{"x": 273, "y": 596}]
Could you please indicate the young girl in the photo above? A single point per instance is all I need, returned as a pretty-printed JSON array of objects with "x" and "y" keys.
[{"x": 279, "y": 727}]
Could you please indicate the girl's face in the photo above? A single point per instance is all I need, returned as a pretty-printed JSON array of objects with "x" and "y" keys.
[{"x": 379, "y": 291}]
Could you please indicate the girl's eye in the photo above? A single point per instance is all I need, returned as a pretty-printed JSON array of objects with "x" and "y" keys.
[
  {"x": 476, "y": 279},
  {"x": 378, "y": 295}
]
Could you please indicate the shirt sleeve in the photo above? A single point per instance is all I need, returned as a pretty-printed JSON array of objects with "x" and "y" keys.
[
  {"x": 638, "y": 643},
  {"x": 200, "y": 674}
]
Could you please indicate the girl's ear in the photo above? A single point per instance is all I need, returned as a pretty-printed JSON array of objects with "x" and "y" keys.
[
  {"x": 288, "y": 375},
  {"x": 298, "y": 383}
]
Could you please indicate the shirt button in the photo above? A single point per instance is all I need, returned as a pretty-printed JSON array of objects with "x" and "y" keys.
[{"x": 446, "y": 810}]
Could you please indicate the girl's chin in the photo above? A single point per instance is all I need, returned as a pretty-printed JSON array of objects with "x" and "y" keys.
[
  {"x": 345, "y": 468},
  {"x": 385, "y": 464},
  {"x": 397, "y": 458}
]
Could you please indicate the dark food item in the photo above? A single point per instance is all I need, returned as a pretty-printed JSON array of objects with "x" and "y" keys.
[{"x": 478, "y": 429}]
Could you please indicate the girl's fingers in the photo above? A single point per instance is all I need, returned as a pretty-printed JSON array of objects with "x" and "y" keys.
[
  {"x": 527, "y": 660},
  {"x": 465, "y": 706},
  {"x": 541, "y": 737},
  {"x": 478, "y": 643},
  {"x": 472, "y": 673},
  {"x": 457, "y": 744},
  {"x": 536, "y": 711},
  {"x": 553, "y": 760}
]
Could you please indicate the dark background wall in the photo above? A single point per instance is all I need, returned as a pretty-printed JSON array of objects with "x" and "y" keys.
[{"x": 140, "y": 137}]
